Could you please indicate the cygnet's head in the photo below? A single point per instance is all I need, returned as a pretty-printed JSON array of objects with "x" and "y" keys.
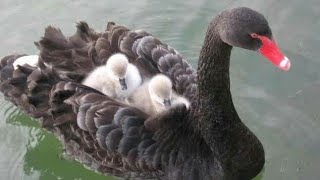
[
  {"x": 160, "y": 89},
  {"x": 118, "y": 64}
]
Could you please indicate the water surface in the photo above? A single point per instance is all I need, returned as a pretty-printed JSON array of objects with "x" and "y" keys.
[{"x": 282, "y": 109}]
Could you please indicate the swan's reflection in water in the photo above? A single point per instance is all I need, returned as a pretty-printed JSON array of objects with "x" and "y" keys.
[{"x": 15, "y": 141}]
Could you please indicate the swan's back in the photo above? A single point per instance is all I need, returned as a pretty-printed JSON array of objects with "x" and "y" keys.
[
  {"x": 101, "y": 133},
  {"x": 151, "y": 56}
]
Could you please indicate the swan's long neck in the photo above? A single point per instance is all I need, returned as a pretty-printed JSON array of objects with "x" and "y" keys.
[
  {"x": 229, "y": 139},
  {"x": 214, "y": 83}
]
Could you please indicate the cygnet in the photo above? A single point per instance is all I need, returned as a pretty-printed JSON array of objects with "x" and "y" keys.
[
  {"x": 117, "y": 79},
  {"x": 155, "y": 96}
]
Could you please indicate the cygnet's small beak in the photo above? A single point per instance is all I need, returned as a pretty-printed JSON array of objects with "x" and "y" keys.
[
  {"x": 123, "y": 83},
  {"x": 167, "y": 102}
]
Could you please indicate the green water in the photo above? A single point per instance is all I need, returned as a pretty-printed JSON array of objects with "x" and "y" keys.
[{"x": 282, "y": 109}]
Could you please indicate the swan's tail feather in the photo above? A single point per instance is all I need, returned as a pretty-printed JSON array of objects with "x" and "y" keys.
[
  {"x": 6, "y": 66},
  {"x": 74, "y": 57},
  {"x": 12, "y": 82},
  {"x": 28, "y": 87},
  {"x": 54, "y": 39},
  {"x": 85, "y": 33},
  {"x": 70, "y": 57}
]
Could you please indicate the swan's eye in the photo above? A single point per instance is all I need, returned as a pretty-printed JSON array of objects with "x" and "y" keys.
[{"x": 254, "y": 35}]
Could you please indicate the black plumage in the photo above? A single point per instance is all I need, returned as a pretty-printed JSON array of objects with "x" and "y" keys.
[{"x": 207, "y": 141}]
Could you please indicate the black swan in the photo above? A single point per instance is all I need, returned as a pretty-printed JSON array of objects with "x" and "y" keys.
[{"x": 206, "y": 141}]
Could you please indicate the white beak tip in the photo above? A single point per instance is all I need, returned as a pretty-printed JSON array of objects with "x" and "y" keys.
[{"x": 285, "y": 64}]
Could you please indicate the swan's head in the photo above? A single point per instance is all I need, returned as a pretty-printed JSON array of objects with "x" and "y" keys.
[
  {"x": 248, "y": 29},
  {"x": 118, "y": 65},
  {"x": 160, "y": 89}
]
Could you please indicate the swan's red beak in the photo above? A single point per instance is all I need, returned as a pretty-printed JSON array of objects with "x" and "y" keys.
[{"x": 271, "y": 51}]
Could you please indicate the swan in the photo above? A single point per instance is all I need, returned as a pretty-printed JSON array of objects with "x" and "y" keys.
[
  {"x": 117, "y": 79},
  {"x": 206, "y": 141},
  {"x": 156, "y": 96}
]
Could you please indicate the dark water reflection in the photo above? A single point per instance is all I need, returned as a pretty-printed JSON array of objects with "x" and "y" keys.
[{"x": 281, "y": 108}]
